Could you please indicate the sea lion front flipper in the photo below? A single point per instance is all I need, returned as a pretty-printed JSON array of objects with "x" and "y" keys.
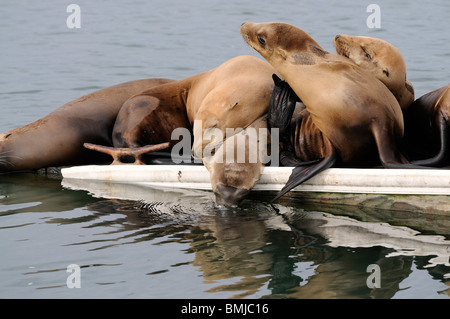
[
  {"x": 119, "y": 153},
  {"x": 301, "y": 174},
  {"x": 281, "y": 106}
]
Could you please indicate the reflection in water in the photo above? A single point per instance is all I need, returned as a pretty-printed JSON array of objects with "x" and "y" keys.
[
  {"x": 173, "y": 244},
  {"x": 176, "y": 244},
  {"x": 368, "y": 243}
]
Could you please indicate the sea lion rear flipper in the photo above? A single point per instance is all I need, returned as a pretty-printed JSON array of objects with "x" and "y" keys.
[
  {"x": 390, "y": 155},
  {"x": 441, "y": 157},
  {"x": 301, "y": 174},
  {"x": 119, "y": 153}
]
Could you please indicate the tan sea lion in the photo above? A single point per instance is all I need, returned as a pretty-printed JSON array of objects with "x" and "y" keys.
[
  {"x": 426, "y": 123},
  {"x": 233, "y": 179},
  {"x": 231, "y": 96},
  {"x": 381, "y": 59},
  {"x": 57, "y": 139},
  {"x": 377, "y": 56},
  {"x": 356, "y": 113}
]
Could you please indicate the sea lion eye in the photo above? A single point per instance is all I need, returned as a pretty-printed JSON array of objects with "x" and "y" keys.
[
  {"x": 261, "y": 40},
  {"x": 386, "y": 72},
  {"x": 366, "y": 53}
]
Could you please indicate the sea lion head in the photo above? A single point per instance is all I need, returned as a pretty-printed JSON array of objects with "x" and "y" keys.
[
  {"x": 381, "y": 59},
  {"x": 275, "y": 40},
  {"x": 237, "y": 163},
  {"x": 231, "y": 181}
]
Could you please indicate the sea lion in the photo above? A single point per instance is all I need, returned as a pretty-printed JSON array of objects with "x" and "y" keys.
[
  {"x": 303, "y": 140},
  {"x": 233, "y": 179},
  {"x": 356, "y": 113},
  {"x": 427, "y": 123},
  {"x": 57, "y": 139},
  {"x": 231, "y": 96},
  {"x": 426, "y": 120},
  {"x": 381, "y": 59}
]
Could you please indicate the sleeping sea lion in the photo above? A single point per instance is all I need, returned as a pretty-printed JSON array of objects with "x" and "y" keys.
[
  {"x": 426, "y": 123},
  {"x": 382, "y": 60}
]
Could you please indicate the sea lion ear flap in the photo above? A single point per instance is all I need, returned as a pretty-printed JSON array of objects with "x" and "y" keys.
[{"x": 281, "y": 53}]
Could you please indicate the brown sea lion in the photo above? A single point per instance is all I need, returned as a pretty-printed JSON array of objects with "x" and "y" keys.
[
  {"x": 57, "y": 139},
  {"x": 427, "y": 123},
  {"x": 356, "y": 113},
  {"x": 381, "y": 59},
  {"x": 231, "y": 96}
]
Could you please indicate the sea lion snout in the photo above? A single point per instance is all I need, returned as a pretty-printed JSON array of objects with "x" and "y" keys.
[{"x": 229, "y": 195}]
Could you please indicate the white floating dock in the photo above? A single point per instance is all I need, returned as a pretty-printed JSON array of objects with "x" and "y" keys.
[{"x": 333, "y": 180}]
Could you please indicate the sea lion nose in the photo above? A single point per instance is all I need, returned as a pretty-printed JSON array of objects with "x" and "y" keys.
[
  {"x": 230, "y": 196},
  {"x": 337, "y": 37}
]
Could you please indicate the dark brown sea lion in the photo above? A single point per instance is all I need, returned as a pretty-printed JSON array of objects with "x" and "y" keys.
[
  {"x": 57, "y": 139},
  {"x": 427, "y": 123},
  {"x": 356, "y": 113}
]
